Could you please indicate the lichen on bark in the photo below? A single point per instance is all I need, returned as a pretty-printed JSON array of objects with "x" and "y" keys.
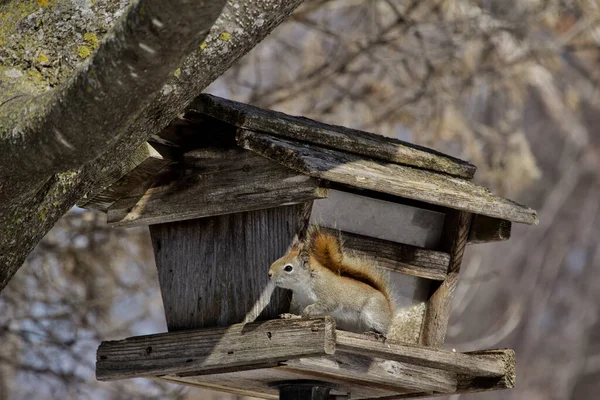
[
  {"x": 29, "y": 206},
  {"x": 41, "y": 39}
]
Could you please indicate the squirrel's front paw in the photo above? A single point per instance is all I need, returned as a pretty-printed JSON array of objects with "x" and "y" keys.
[{"x": 310, "y": 311}]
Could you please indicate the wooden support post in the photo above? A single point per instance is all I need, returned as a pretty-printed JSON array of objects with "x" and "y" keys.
[
  {"x": 455, "y": 235},
  {"x": 213, "y": 271},
  {"x": 303, "y": 390}
]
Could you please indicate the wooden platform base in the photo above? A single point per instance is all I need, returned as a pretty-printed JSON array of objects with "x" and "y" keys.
[{"x": 248, "y": 359}]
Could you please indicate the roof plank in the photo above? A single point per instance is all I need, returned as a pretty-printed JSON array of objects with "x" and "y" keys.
[
  {"x": 214, "y": 181},
  {"x": 136, "y": 174},
  {"x": 388, "y": 178},
  {"x": 333, "y": 136}
]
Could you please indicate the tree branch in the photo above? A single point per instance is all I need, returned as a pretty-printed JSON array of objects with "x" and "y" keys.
[
  {"x": 62, "y": 129},
  {"x": 36, "y": 206}
]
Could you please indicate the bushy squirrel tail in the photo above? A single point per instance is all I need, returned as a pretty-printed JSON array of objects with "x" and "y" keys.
[{"x": 327, "y": 248}]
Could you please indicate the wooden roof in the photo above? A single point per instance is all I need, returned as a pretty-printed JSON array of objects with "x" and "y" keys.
[
  {"x": 337, "y": 137},
  {"x": 395, "y": 179},
  {"x": 304, "y": 147},
  {"x": 361, "y": 159}
]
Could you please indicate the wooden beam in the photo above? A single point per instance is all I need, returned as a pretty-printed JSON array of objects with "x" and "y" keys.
[
  {"x": 212, "y": 182},
  {"x": 403, "y": 258},
  {"x": 437, "y": 314},
  {"x": 459, "y": 363},
  {"x": 257, "y": 383},
  {"x": 213, "y": 271},
  {"x": 337, "y": 137},
  {"x": 136, "y": 174},
  {"x": 388, "y": 178},
  {"x": 384, "y": 374},
  {"x": 487, "y": 229},
  {"x": 472, "y": 384},
  {"x": 210, "y": 349}
]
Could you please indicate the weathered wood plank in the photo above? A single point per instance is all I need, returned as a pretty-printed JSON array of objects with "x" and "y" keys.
[
  {"x": 256, "y": 383},
  {"x": 379, "y": 219},
  {"x": 240, "y": 345},
  {"x": 403, "y": 258},
  {"x": 385, "y": 374},
  {"x": 394, "y": 179},
  {"x": 487, "y": 229},
  {"x": 136, "y": 175},
  {"x": 241, "y": 388},
  {"x": 471, "y": 384},
  {"x": 437, "y": 314},
  {"x": 213, "y": 271},
  {"x": 459, "y": 363},
  {"x": 337, "y": 137},
  {"x": 213, "y": 182}
]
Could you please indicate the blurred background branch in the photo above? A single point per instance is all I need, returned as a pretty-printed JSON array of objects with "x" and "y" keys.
[{"x": 509, "y": 85}]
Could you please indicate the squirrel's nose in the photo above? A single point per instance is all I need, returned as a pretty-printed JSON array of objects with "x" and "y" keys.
[{"x": 270, "y": 274}]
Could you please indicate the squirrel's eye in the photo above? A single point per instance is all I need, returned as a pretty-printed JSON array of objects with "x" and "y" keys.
[{"x": 288, "y": 268}]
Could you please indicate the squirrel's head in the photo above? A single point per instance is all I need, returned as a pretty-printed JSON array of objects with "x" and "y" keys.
[{"x": 292, "y": 270}]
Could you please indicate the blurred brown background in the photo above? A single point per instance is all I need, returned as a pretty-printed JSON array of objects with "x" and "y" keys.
[{"x": 511, "y": 86}]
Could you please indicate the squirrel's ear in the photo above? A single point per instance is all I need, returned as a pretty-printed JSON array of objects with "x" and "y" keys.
[
  {"x": 304, "y": 257},
  {"x": 296, "y": 245}
]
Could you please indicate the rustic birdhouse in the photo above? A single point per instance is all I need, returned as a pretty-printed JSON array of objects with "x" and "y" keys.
[{"x": 226, "y": 187}]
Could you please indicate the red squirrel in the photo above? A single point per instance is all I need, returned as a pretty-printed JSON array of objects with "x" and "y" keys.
[{"x": 326, "y": 281}]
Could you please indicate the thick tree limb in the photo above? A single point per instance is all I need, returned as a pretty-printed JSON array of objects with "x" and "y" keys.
[
  {"x": 74, "y": 124},
  {"x": 23, "y": 222}
]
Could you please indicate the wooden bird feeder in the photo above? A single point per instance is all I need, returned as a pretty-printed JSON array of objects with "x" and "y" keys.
[{"x": 224, "y": 189}]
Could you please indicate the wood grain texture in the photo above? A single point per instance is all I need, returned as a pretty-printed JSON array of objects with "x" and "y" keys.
[
  {"x": 337, "y": 137},
  {"x": 486, "y": 229},
  {"x": 304, "y": 219},
  {"x": 470, "y": 383},
  {"x": 470, "y": 364},
  {"x": 215, "y": 349},
  {"x": 256, "y": 383},
  {"x": 214, "y": 182},
  {"x": 473, "y": 384},
  {"x": 437, "y": 314},
  {"x": 137, "y": 173},
  {"x": 403, "y": 258},
  {"x": 213, "y": 271},
  {"x": 385, "y": 374},
  {"x": 383, "y": 177}
]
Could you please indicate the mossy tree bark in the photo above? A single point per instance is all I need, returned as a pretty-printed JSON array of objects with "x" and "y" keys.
[{"x": 65, "y": 136}]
